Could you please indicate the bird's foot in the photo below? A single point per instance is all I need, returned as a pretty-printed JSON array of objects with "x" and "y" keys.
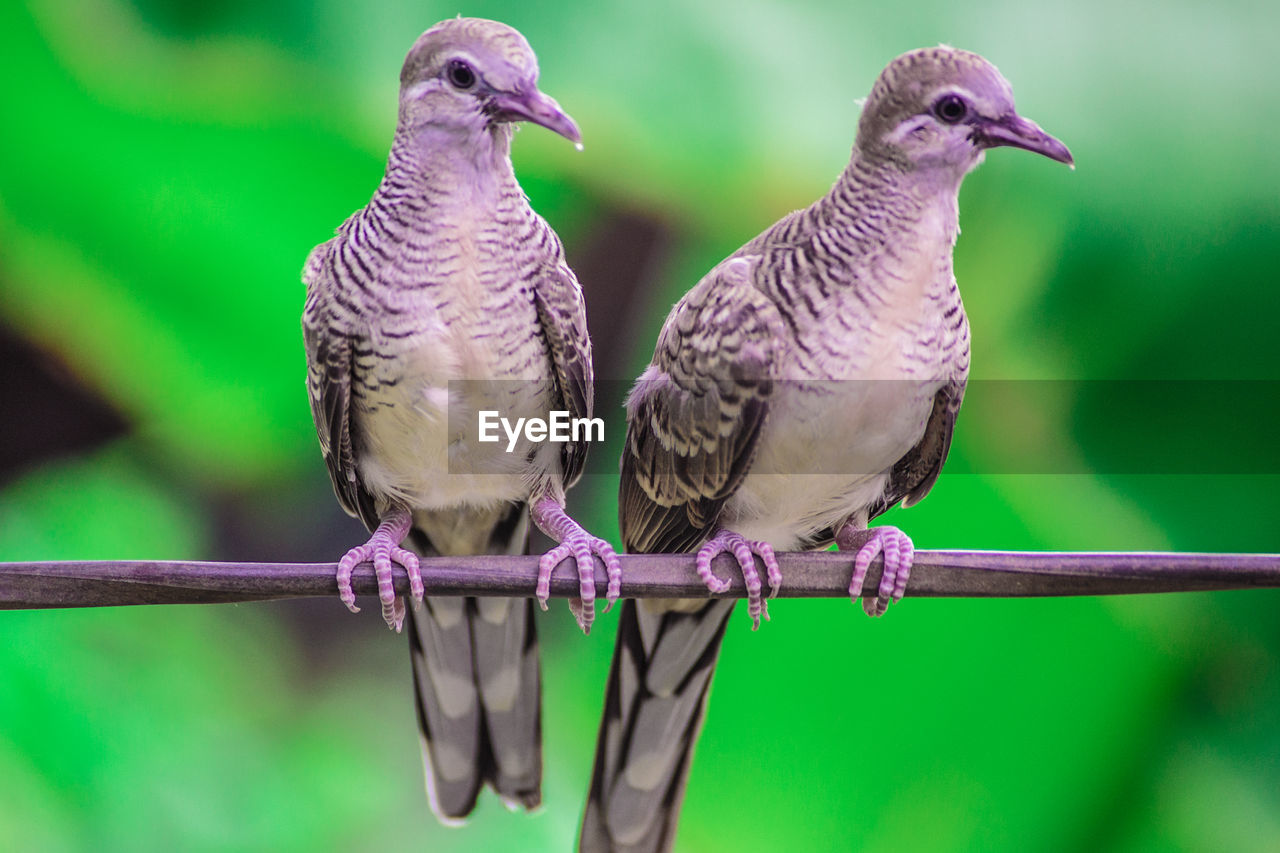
[
  {"x": 744, "y": 551},
  {"x": 577, "y": 543},
  {"x": 899, "y": 554},
  {"x": 383, "y": 550}
]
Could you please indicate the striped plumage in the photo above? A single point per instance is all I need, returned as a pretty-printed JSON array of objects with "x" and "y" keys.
[
  {"x": 808, "y": 383},
  {"x": 444, "y": 296}
]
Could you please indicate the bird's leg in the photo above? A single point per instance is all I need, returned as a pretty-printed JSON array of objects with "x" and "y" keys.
[
  {"x": 899, "y": 553},
  {"x": 745, "y": 552},
  {"x": 549, "y": 515},
  {"x": 383, "y": 549}
]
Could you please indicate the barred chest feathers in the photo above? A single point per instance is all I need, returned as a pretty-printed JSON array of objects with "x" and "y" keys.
[{"x": 418, "y": 410}]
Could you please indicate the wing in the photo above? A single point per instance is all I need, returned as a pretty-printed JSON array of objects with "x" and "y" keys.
[
  {"x": 694, "y": 416},
  {"x": 562, "y": 316},
  {"x": 914, "y": 474},
  {"x": 330, "y": 357}
]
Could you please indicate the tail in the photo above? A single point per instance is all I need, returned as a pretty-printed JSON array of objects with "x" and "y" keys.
[
  {"x": 654, "y": 707},
  {"x": 475, "y": 675}
]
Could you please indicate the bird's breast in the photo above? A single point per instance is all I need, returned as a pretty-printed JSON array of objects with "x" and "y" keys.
[
  {"x": 465, "y": 342},
  {"x": 856, "y": 391}
]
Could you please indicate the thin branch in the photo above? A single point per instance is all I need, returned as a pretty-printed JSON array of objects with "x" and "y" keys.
[{"x": 936, "y": 574}]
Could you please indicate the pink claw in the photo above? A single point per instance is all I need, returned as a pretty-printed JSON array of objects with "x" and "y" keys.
[
  {"x": 577, "y": 543},
  {"x": 899, "y": 554},
  {"x": 744, "y": 551},
  {"x": 383, "y": 550},
  {"x": 581, "y": 546}
]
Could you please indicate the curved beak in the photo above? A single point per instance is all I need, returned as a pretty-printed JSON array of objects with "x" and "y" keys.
[
  {"x": 535, "y": 107},
  {"x": 1018, "y": 132}
]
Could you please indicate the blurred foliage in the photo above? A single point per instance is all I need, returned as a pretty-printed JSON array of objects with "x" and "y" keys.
[{"x": 164, "y": 169}]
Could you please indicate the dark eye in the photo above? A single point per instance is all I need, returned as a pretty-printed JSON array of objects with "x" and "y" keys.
[
  {"x": 950, "y": 108},
  {"x": 461, "y": 74}
]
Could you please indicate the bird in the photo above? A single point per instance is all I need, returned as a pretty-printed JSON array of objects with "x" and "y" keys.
[
  {"x": 807, "y": 384},
  {"x": 445, "y": 297}
]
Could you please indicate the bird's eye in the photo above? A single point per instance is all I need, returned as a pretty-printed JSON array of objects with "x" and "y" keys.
[
  {"x": 950, "y": 108},
  {"x": 461, "y": 75}
]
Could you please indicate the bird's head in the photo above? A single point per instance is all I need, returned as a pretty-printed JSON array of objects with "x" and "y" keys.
[
  {"x": 940, "y": 109},
  {"x": 466, "y": 76}
]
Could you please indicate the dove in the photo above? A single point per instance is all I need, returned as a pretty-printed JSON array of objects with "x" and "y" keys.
[
  {"x": 807, "y": 384},
  {"x": 447, "y": 297}
]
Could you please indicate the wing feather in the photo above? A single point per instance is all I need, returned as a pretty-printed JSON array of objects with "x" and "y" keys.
[
  {"x": 695, "y": 416},
  {"x": 914, "y": 474},
  {"x": 562, "y": 317},
  {"x": 330, "y": 362}
]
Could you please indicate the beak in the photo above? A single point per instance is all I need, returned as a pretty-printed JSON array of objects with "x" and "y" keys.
[
  {"x": 538, "y": 108},
  {"x": 1019, "y": 132}
]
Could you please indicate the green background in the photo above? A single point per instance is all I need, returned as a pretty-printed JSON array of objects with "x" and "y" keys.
[{"x": 165, "y": 168}]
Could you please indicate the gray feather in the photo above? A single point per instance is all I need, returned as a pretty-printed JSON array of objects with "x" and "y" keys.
[
  {"x": 694, "y": 417},
  {"x": 563, "y": 321},
  {"x": 654, "y": 706}
]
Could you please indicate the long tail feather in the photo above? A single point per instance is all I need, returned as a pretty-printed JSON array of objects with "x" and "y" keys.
[
  {"x": 476, "y": 679},
  {"x": 654, "y": 707}
]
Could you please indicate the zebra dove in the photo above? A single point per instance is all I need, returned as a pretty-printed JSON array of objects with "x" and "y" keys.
[
  {"x": 445, "y": 297},
  {"x": 807, "y": 384}
]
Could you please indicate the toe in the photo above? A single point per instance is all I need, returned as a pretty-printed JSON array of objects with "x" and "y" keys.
[
  {"x": 413, "y": 568},
  {"x": 586, "y": 611},
  {"x": 861, "y": 563},
  {"x": 703, "y": 563},
  {"x": 546, "y": 566},
  {"x": 772, "y": 571},
  {"x": 393, "y": 613},
  {"x": 613, "y": 568},
  {"x": 583, "y": 614},
  {"x": 346, "y": 566}
]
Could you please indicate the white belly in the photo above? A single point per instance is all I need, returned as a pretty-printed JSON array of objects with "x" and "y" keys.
[{"x": 825, "y": 453}]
